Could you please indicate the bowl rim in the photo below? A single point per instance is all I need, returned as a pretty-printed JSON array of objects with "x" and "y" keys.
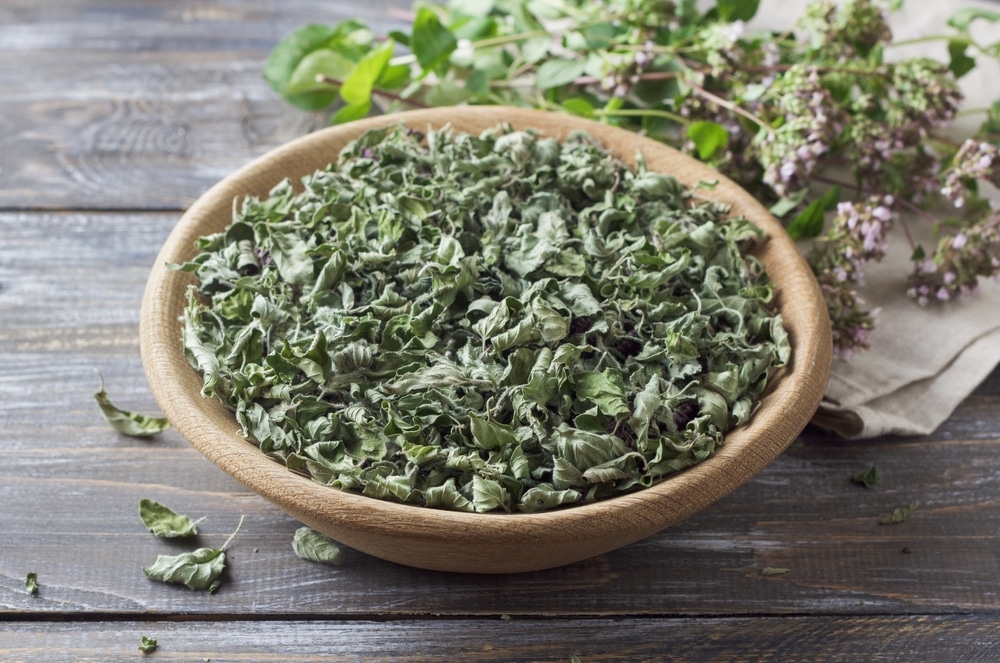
[{"x": 370, "y": 525}]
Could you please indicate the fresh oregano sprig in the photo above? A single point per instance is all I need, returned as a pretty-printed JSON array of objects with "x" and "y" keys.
[
  {"x": 846, "y": 144},
  {"x": 494, "y": 322}
]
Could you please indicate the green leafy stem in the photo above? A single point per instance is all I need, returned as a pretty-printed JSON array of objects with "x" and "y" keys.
[{"x": 696, "y": 80}]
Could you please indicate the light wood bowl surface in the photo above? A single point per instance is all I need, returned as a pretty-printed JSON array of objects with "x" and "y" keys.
[{"x": 467, "y": 542}]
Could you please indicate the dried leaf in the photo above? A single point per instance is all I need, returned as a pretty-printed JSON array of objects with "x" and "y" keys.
[
  {"x": 198, "y": 569},
  {"x": 129, "y": 423},
  {"x": 164, "y": 522},
  {"x": 899, "y": 514},
  {"x": 868, "y": 477},
  {"x": 316, "y": 547},
  {"x": 147, "y": 645}
]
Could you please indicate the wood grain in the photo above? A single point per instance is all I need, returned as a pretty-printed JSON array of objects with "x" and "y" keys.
[
  {"x": 721, "y": 640},
  {"x": 121, "y": 105},
  {"x": 69, "y": 488},
  {"x": 155, "y": 136},
  {"x": 113, "y": 110},
  {"x": 166, "y": 26}
]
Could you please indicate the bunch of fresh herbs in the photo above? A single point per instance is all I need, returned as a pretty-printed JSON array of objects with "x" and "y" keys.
[
  {"x": 494, "y": 322},
  {"x": 787, "y": 114}
]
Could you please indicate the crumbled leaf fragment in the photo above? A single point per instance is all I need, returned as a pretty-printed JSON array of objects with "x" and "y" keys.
[
  {"x": 774, "y": 571},
  {"x": 868, "y": 477},
  {"x": 316, "y": 547},
  {"x": 129, "y": 423},
  {"x": 164, "y": 522},
  {"x": 147, "y": 645},
  {"x": 899, "y": 514},
  {"x": 31, "y": 584}
]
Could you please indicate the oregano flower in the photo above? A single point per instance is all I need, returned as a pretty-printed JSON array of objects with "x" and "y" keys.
[{"x": 817, "y": 102}]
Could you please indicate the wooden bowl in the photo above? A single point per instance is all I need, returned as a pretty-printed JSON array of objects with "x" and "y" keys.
[{"x": 468, "y": 542}]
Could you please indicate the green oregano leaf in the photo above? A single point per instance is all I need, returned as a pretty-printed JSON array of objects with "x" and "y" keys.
[
  {"x": 311, "y": 545},
  {"x": 899, "y": 514},
  {"x": 147, "y": 645},
  {"x": 773, "y": 571},
  {"x": 358, "y": 85},
  {"x": 314, "y": 71},
  {"x": 199, "y": 569},
  {"x": 809, "y": 222},
  {"x": 737, "y": 10},
  {"x": 126, "y": 422},
  {"x": 963, "y": 18},
  {"x": 578, "y": 106},
  {"x": 164, "y": 522},
  {"x": 431, "y": 42},
  {"x": 960, "y": 63},
  {"x": 287, "y": 56},
  {"x": 31, "y": 584},
  {"x": 708, "y": 138},
  {"x": 558, "y": 72},
  {"x": 867, "y": 477},
  {"x": 788, "y": 203}
]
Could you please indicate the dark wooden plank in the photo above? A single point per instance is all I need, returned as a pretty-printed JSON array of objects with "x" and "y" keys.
[
  {"x": 70, "y": 289},
  {"x": 173, "y": 25},
  {"x": 843, "y": 639},
  {"x": 147, "y": 131},
  {"x": 121, "y": 105}
]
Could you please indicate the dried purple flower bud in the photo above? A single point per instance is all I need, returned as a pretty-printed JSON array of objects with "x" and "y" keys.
[
  {"x": 958, "y": 262},
  {"x": 973, "y": 162},
  {"x": 791, "y": 152}
]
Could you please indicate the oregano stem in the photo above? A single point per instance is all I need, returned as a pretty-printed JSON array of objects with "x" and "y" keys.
[
  {"x": 921, "y": 40},
  {"x": 641, "y": 112},
  {"x": 725, "y": 103},
  {"x": 329, "y": 80},
  {"x": 233, "y": 535}
]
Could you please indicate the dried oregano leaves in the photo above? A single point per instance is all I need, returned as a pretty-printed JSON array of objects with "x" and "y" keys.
[{"x": 499, "y": 322}]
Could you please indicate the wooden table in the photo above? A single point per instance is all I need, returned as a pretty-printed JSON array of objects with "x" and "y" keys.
[{"x": 114, "y": 116}]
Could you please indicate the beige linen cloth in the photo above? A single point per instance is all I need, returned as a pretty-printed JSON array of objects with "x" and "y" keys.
[{"x": 924, "y": 360}]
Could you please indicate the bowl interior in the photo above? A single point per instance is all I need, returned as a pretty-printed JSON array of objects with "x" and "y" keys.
[{"x": 484, "y": 543}]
